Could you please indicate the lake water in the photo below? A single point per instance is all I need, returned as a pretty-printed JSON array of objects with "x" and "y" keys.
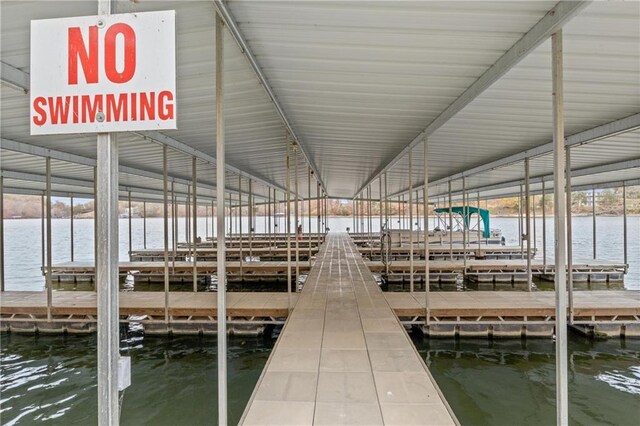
[
  {"x": 23, "y": 258},
  {"x": 52, "y": 379}
]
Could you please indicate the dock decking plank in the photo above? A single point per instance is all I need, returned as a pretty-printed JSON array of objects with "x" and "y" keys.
[{"x": 337, "y": 358}]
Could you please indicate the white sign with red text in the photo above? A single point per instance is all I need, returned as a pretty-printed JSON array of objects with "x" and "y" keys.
[{"x": 111, "y": 73}]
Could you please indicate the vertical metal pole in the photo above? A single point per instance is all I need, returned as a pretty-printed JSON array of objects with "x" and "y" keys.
[
  {"x": 318, "y": 209},
  {"x": 107, "y": 278},
  {"x": 450, "y": 225},
  {"x": 269, "y": 217},
  {"x": 95, "y": 214},
  {"x": 520, "y": 227},
  {"x": 165, "y": 226},
  {"x": 624, "y": 223},
  {"x": 1, "y": 233},
  {"x": 296, "y": 211},
  {"x": 479, "y": 221},
  {"x": 593, "y": 211},
  {"x": 239, "y": 218},
  {"x": 174, "y": 223},
  {"x": 49, "y": 243},
  {"x": 309, "y": 212},
  {"x": 187, "y": 218},
  {"x": 544, "y": 228},
  {"x": 386, "y": 200},
  {"x": 464, "y": 226},
  {"x": 569, "y": 232},
  {"x": 144, "y": 224},
  {"x": 527, "y": 207},
  {"x": 535, "y": 236},
  {"x": 194, "y": 255},
  {"x": 287, "y": 222},
  {"x": 129, "y": 223},
  {"x": 380, "y": 204},
  {"x": 251, "y": 221},
  {"x": 206, "y": 222},
  {"x": 221, "y": 246},
  {"x": 410, "y": 220},
  {"x": 425, "y": 205},
  {"x": 562, "y": 399},
  {"x": 42, "y": 234},
  {"x": 369, "y": 221},
  {"x": 71, "y": 227}
]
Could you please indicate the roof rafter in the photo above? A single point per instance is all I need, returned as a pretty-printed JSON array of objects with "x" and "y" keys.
[{"x": 554, "y": 20}]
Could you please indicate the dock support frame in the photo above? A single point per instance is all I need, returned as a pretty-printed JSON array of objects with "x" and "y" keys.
[
  {"x": 562, "y": 398},
  {"x": 221, "y": 243}
]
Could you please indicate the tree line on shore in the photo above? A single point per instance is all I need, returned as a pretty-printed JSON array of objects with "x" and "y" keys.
[{"x": 608, "y": 202}]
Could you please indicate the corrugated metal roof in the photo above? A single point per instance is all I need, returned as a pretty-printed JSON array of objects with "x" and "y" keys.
[{"x": 358, "y": 81}]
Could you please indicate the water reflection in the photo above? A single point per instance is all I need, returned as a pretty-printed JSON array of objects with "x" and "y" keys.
[
  {"x": 512, "y": 382},
  {"x": 174, "y": 380}
]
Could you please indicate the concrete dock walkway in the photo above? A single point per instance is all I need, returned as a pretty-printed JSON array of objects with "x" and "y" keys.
[{"x": 343, "y": 356}]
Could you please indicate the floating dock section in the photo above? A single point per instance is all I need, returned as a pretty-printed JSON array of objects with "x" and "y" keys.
[{"x": 343, "y": 357}]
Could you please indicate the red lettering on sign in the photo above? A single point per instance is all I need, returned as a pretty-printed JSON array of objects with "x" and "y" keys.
[
  {"x": 90, "y": 110},
  {"x": 59, "y": 109},
  {"x": 88, "y": 59},
  {"x": 117, "y": 112},
  {"x": 148, "y": 106},
  {"x": 129, "y": 53},
  {"x": 38, "y": 104},
  {"x": 165, "y": 113}
]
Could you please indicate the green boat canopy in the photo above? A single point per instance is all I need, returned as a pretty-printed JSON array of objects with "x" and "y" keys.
[{"x": 466, "y": 212}]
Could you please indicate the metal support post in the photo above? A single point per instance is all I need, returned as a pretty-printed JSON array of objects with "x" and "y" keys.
[
  {"x": 520, "y": 227},
  {"x": 194, "y": 255},
  {"x": 49, "y": 242},
  {"x": 288, "y": 221},
  {"x": 386, "y": 200},
  {"x": 544, "y": 228},
  {"x": 1, "y": 233},
  {"x": 221, "y": 243},
  {"x": 296, "y": 212},
  {"x": 129, "y": 223},
  {"x": 369, "y": 221},
  {"x": 562, "y": 400},
  {"x": 309, "y": 211},
  {"x": 251, "y": 222},
  {"x": 624, "y": 223},
  {"x": 71, "y": 227},
  {"x": 380, "y": 205},
  {"x": 479, "y": 232},
  {"x": 165, "y": 226},
  {"x": 43, "y": 240},
  {"x": 527, "y": 207},
  {"x": 425, "y": 202},
  {"x": 269, "y": 217},
  {"x": 450, "y": 225},
  {"x": 569, "y": 232},
  {"x": 464, "y": 223},
  {"x": 410, "y": 220},
  {"x": 593, "y": 211},
  {"x": 144, "y": 224},
  {"x": 239, "y": 219}
]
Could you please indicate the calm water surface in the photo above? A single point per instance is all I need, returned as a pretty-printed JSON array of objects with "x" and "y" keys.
[
  {"x": 512, "y": 382},
  {"x": 52, "y": 379}
]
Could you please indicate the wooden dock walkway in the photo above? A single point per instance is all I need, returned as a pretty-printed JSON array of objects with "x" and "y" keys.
[{"x": 343, "y": 357}]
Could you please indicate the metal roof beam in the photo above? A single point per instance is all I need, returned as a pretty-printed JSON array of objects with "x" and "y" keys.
[
  {"x": 88, "y": 184},
  {"x": 14, "y": 77},
  {"x": 586, "y": 171},
  {"x": 17, "y": 78},
  {"x": 617, "y": 127},
  {"x": 38, "y": 151},
  {"x": 230, "y": 23},
  {"x": 554, "y": 20}
]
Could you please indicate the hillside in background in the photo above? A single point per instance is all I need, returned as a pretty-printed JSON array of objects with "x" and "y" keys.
[{"x": 608, "y": 202}]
